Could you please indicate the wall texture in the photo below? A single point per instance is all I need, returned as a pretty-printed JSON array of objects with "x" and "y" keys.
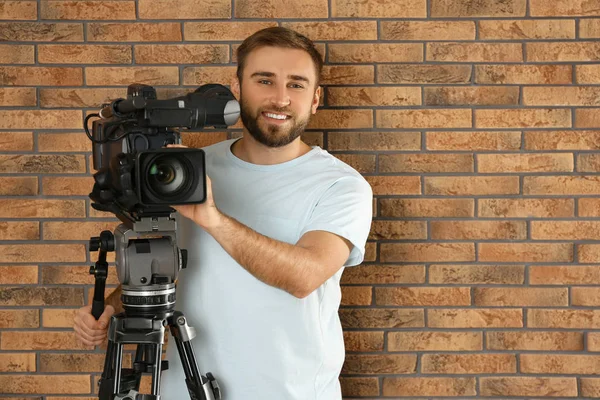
[{"x": 474, "y": 121}]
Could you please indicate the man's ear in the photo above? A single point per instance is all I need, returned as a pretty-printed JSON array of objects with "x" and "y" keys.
[
  {"x": 316, "y": 98},
  {"x": 235, "y": 87}
]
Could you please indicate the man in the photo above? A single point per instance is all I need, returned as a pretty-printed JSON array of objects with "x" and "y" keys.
[{"x": 267, "y": 249}]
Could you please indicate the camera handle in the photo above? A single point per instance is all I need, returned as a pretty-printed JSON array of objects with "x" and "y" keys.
[{"x": 105, "y": 243}]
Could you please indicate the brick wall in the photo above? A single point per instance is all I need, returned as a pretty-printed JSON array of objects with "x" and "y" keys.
[{"x": 474, "y": 122}]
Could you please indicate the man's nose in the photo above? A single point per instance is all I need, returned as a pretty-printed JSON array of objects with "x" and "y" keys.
[{"x": 281, "y": 97}]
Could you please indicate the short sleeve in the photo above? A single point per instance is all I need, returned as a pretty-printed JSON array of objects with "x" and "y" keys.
[{"x": 345, "y": 209}]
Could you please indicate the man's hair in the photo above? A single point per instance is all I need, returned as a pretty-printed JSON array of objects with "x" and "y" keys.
[{"x": 278, "y": 37}]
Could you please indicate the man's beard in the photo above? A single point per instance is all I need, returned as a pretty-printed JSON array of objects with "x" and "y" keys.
[{"x": 275, "y": 136}]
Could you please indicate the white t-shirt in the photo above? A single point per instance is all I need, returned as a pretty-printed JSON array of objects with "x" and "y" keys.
[{"x": 260, "y": 342}]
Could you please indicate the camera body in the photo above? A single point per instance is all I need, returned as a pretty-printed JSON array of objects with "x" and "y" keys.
[{"x": 136, "y": 174}]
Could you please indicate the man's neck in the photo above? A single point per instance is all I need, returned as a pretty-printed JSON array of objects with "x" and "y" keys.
[{"x": 249, "y": 150}]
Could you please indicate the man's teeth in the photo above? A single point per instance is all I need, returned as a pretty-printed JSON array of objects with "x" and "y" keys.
[{"x": 276, "y": 116}]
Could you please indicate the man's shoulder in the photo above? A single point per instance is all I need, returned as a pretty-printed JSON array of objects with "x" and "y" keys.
[{"x": 219, "y": 147}]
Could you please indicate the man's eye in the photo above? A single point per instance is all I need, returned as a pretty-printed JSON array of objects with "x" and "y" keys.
[
  {"x": 296, "y": 86},
  {"x": 264, "y": 81}
]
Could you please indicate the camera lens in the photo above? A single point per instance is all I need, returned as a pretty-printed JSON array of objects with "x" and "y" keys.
[{"x": 167, "y": 176}]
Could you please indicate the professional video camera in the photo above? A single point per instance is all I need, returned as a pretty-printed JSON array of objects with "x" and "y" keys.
[{"x": 138, "y": 179}]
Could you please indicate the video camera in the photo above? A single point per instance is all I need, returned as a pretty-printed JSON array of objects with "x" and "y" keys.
[{"x": 136, "y": 175}]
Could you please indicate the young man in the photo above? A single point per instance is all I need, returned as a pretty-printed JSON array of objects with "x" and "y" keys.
[{"x": 267, "y": 249}]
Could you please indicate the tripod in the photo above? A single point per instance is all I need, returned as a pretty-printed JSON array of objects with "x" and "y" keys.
[{"x": 149, "y": 301}]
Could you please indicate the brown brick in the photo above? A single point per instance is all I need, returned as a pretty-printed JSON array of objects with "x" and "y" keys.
[
  {"x": 28, "y": 253},
  {"x": 18, "y": 274},
  {"x": 478, "y": 95},
  {"x": 426, "y": 252},
  {"x": 561, "y": 318},
  {"x": 585, "y": 296},
  {"x": 526, "y": 208},
  {"x": 567, "y": 96},
  {"x": 588, "y": 253},
  {"x": 469, "y": 363},
  {"x": 425, "y": 118},
  {"x": 363, "y": 341},
  {"x": 373, "y": 96},
  {"x": 36, "y": 296},
  {"x": 359, "y": 386},
  {"x": 589, "y": 28},
  {"x": 475, "y": 318},
  {"x": 80, "y": 98},
  {"x": 134, "y": 32},
  {"x": 281, "y": 9},
  {"x": 380, "y": 364},
  {"x": 59, "y": 230},
  {"x": 40, "y": 76},
  {"x": 474, "y": 52},
  {"x": 588, "y": 163},
  {"x": 19, "y": 230},
  {"x": 590, "y": 387},
  {"x": 356, "y": 295},
  {"x": 523, "y": 118},
  {"x": 587, "y": 118},
  {"x": 428, "y": 386},
  {"x": 563, "y": 51},
  {"x": 565, "y": 230},
  {"x": 335, "y": 30},
  {"x": 342, "y": 119},
  {"x": 72, "y": 275},
  {"x": 535, "y": 340},
  {"x": 42, "y": 208},
  {"x": 374, "y": 141},
  {"x": 524, "y": 74},
  {"x": 84, "y": 54},
  {"x": 469, "y": 8},
  {"x": 478, "y": 230},
  {"x": 52, "y": 362},
  {"x": 564, "y": 275},
  {"x": 17, "y": 97},
  {"x": 589, "y": 207},
  {"x": 423, "y": 74},
  {"x": 527, "y": 29},
  {"x": 473, "y": 141},
  {"x": 426, "y": 163},
  {"x": 17, "y": 54},
  {"x": 181, "y": 54},
  {"x": 18, "y": 10},
  {"x": 525, "y": 252},
  {"x": 522, "y": 297},
  {"x": 381, "y": 274},
  {"x": 562, "y": 140},
  {"x": 45, "y": 384},
  {"x": 21, "y": 319},
  {"x": 477, "y": 274},
  {"x": 88, "y": 10},
  {"x": 184, "y": 9},
  {"x": 40, "y": 31},
  {"x": 593, "y": 341},
  {"x": 201, "y": 75},
  {"x": 42, "y": 164},
  {"x": 471, "y": 185},
  {"x": 63, "y": 142},
  {"x": 202, "y": 139},
  {"x": 535, "y": 162},
  {"x": 18, "y": 186},
  {"x": 528, "y": 386},
  {"x": 363, "y": 163},
  {"x": 15, "y": 141},
  {"x": 58, "y": 318},
  {"x": 563, "y": 8},
  {"x": 566, "y": 185},
  {"x": 38, "y": 340},
  {"x": 435, "y": 341},
  {"x": 40, "y": 119},
  {"x": 347, "y": 75},
  {"x": 376, "y": 53},
  {"x": 100, "y": 76},
  {"x": 230, "y": 30},
  {"x": 588, "y": 73},
  {"x": 421, "y": 296},
  {"x": 382, "y": 9},
  {"x": 423, "y": 208},
  {"x": 392, "y": 185},
  {"x": 427, "y": 30},
  {"x": 17, "y": 362},
  {"x": 382, "y": 318}
]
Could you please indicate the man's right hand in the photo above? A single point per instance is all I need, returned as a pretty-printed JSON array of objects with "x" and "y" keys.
[{"x": 89, "y": 331}]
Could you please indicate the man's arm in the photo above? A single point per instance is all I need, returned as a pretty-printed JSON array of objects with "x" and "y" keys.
[{"x": 298, "y": 269}]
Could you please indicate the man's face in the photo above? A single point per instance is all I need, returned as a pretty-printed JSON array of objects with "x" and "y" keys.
[{"x": 277, "y": 94}]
